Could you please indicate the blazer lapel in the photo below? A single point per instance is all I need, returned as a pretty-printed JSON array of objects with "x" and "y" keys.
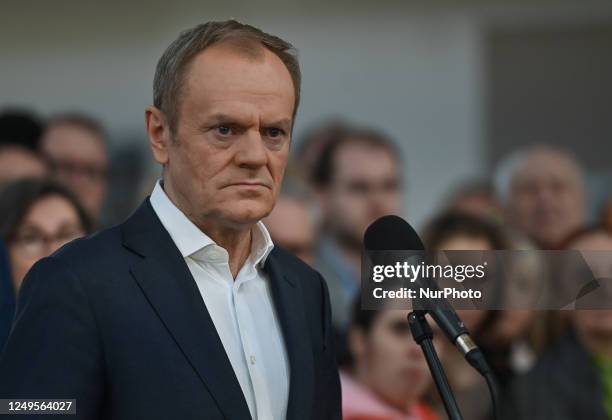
[
  {"x": 170, "y": 288},
  {"x": 287, "y": 298}
]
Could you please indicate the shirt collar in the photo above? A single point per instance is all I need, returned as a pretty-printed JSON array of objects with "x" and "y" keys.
[
  {"x": 262, "y": 244},
  {"x": 189, "y": 239}
]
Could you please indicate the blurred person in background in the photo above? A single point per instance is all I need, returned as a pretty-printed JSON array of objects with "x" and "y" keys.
[
  {"x": 573, "y": 379},
  {"x": 500, "y": 334},
  {"x": 357, "y": 180},
  {"x": 76, "y": 147},
  {"x": 475, "y": 197},
  {"x": 292, "y": 223},
  {"x": 388, "y": 374},
  {"x": 37, "y": 217},
  {"x": 543, "y": 193},
  {"x": 7, "y": 296},
  {"x": 310, "y": 146},
  {"x": 459, "y": 231},
  {"x": 20, "y": 133}
]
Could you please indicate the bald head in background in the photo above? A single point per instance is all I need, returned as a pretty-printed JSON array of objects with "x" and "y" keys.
[{"x": 544, "y": 194}]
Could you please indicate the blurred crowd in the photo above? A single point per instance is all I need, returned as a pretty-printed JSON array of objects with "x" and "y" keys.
[{"x": 550, "y": 364}]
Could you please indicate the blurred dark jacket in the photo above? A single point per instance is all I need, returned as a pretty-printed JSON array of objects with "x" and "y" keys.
[
  {"x": 342, "y": 281},
  {"x": 7, "y": 296},
  {"x": 564, "y": 385}
]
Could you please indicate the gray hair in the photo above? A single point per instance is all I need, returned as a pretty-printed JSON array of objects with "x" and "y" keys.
[
  {"x": 248, "y": 40},
  {"x": 505, "y": 172},
  {"x": 508, "y": 168}
]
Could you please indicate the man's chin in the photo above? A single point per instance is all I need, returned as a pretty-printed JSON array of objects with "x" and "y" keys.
[{"x": 248, "y": 213}]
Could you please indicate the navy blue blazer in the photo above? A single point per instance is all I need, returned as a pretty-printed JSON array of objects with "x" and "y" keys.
[{"x": 116, "y": 321}]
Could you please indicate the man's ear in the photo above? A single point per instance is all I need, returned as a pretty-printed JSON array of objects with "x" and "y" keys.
[{"x": 159, "y": 133}]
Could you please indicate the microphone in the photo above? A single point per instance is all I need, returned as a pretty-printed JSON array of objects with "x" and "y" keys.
[{"x": 392, "y": 233}]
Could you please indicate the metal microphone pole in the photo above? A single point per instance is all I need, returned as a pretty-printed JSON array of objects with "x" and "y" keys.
[{"x": 423, "y": 335}]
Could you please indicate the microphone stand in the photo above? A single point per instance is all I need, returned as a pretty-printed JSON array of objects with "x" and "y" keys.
[{"x": 423, "y": 335}]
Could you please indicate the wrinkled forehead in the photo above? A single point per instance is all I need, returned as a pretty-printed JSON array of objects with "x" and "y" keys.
[
  {"x": 548, "y": 165},
  {"x": 224, "y": 75}
]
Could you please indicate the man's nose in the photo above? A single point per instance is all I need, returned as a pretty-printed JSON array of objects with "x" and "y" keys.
[
  {"x": 381, "y": 201},
  {"x": 546, "y": 196},
  {"x": 251, "y": 151}
]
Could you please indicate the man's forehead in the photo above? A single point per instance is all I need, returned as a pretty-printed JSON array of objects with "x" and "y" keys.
[
  {"x": 553, "y": 171},
  {"x": 369, "y": 157},
  {"x": 221, "y": 70},
  {"x": 549, "y": 158},
  {"x": 73, "y": 139}
]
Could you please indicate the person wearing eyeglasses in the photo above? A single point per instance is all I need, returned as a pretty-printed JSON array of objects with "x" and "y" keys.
[
  {"x": 37, "y": 217},
  {"x": 76, "y": 147}
]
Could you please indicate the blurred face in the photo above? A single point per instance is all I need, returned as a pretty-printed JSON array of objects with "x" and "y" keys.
[
  {"x": 224, "y": 165},
  {"x": 291, "y": 227},
  {"x": 388, "y": 360},
  {"x": 547, "y": 197},
  {"x": 51, "y": 222},
  {"x": 595, "y": 326},
  {"x": 80, "y": 161},
  {"x": 509, "y": 324},
  {"x": 366, "y": 185},
  {"x": 17, "y": 162},
  {"x": 470, "y": 317}
]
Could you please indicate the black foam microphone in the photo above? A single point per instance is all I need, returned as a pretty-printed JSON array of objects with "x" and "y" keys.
[{"x": 392, "y": 233}]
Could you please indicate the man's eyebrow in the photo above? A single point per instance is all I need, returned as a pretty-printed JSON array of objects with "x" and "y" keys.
[
  {"x": 284, "y": 122},
  {"x": 220, "y": 117},
  {"x": 225, "y": 118}
]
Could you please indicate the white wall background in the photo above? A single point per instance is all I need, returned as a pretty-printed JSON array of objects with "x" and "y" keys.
[{"x": 411, "y": 70}]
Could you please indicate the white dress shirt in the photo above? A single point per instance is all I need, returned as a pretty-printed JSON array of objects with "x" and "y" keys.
[{"x": 241, "y": 309}]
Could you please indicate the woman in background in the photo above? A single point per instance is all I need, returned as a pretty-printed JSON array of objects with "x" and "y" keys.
[
  {"x": 37, "y": 217},
  {"x": 502, "y": 335},
  {"x": 388, "y": 374},
  {"x": 573, "y": 379}
]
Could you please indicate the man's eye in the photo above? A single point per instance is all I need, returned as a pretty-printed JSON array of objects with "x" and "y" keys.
[
  {"x": 358, "y": 187},
  {"x": 274, "y": 132},
  {"x": 224, "y": 130},
  {"x": 28, "y": 239}
]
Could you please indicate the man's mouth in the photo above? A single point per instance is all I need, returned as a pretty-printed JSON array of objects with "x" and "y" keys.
[{"x": 250, "y": 184}]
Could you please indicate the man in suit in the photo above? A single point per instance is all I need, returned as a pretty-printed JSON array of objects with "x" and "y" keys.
[{"x": 187, "y": 310}]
